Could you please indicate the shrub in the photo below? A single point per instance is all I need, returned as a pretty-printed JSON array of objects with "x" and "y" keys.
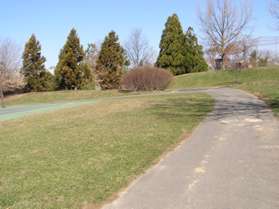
[
  {"x": 47, "y": 81},
  {"x": 146, "y": 79},
  {"x": 14, "y": 83}
]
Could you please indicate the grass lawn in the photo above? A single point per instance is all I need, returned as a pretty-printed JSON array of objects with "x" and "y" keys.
[
  {"x": 261, "y": 82},
  {"x": 82, "y": 156},
  {"x": 56, "y": 96}
]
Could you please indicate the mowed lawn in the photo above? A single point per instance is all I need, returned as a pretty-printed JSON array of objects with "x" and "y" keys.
[
  {"x": 83, "y": 156},
  {"x": 263, "y": 82},
  {"x": 57, "y": 96}
]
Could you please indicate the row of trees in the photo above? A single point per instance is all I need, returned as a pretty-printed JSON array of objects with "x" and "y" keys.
[
  {"x": 75, "y": 66},
  {"x": 222, "y": 22},
  {"x": 80, "y": 69}
]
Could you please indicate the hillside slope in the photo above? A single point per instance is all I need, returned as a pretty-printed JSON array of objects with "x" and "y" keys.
[{"x": 263, "y": 82}]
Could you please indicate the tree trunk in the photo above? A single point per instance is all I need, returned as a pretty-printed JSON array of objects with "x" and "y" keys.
[
  {"x": 2, "y": 96},
  {"x": 223, "y": 62}
]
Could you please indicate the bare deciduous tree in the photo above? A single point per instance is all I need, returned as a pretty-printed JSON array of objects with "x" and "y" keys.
[
  {"x": 138, "y": 50},
  {"x": 223, "y": 25},
  {"x": 9, "y": 65},
  {"x": 242, "y": 52},
  {"x": 91, "y": 55},
  {"x": 246, "y": 46}
]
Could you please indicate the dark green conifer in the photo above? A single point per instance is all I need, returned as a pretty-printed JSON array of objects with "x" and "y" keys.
[
  {"x": 111, "y": 62},
  {"x": 179, "y": 52},
  {"x": 71, "y": 71},
  {"x": 193, "y": 54},
  {"x": 36, "y": 77},
  {"x": 171, "y": 46}
]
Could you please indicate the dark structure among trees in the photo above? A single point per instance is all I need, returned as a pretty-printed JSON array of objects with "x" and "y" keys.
[{"x": 223, "y": 25}]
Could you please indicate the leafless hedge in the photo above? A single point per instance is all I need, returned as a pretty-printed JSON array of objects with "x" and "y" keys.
[{"x": 146, "y": 79}]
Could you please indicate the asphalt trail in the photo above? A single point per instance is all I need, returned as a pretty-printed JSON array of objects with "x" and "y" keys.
[{"x": 230, "y": 162}]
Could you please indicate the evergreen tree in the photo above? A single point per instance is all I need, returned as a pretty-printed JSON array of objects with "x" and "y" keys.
[
  {"x": 171, "y": 46},
  {"x": 71, "y": 71},
  {"x": 111, "y": 62},
  {"x": 253, "y": 60},
  {"x": 193, "y": 54},
  {"x": 37, "y": 78}
]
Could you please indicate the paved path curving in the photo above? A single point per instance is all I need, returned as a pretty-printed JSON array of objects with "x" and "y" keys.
[{"x": 230, "y": 162}]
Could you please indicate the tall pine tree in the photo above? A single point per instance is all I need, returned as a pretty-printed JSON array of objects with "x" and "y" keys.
[
  {"x": 193, "y": 54},
  {"x": 110, "y": 63},
  {"x": 171, "y": 46},
  {"x": 71, "y": 71},
  {"x": 179, "y": 52},
  {"x": 36, "y": 77}
]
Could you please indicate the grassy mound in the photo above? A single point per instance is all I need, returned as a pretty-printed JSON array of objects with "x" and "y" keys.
[
  {"x": 56, "y": 96},
  {"x": 262, "y": 82},
  {"x": 79, "y": 156}
]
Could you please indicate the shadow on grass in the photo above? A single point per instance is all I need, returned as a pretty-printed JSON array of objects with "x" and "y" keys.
[
  {"x": 181, "y": 108},
  {"x": 229, "y": 83},
  {"x": 225, "y": 107}
]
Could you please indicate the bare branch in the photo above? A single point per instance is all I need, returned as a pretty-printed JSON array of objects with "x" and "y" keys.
[
  {"x": 91, "y": 55},
  {"x": 138, "y": 49},
  {"x": 223, "y": 25},
  {"x": 9, "y": 65}
]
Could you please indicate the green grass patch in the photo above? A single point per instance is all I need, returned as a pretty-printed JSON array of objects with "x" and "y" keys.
[
  {"x": 79, "y": 156},
  {"x": 57, "y": 96},
  {"x": 262, "y": 82}
]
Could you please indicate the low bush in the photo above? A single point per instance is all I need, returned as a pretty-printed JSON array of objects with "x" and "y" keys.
[
  {"x": 13, "y": 84},
  {"x": 146, "y": 79}
]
